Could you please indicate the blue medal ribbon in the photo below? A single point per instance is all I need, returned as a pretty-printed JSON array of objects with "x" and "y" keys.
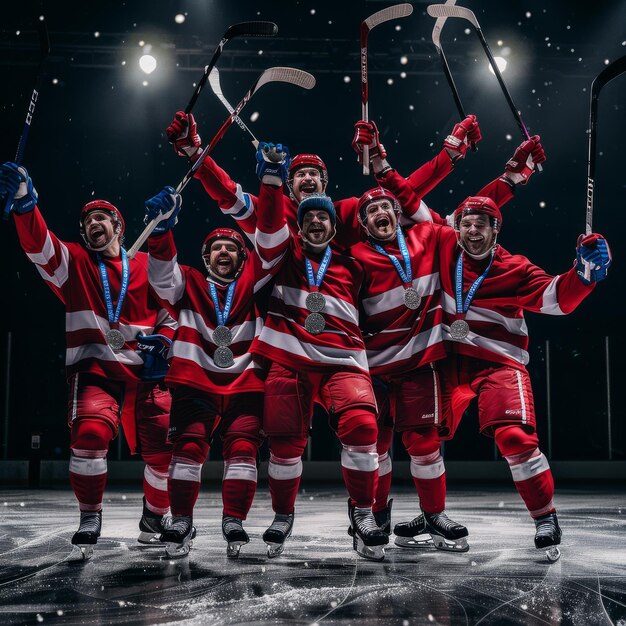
[
  {"x": 222, "y": 314},
  {"x": 315, "y": 280},
  {"x": 463, "y": 306},
  {"x": 104, "y": 279},
  {"x": 406, "y": 274}
]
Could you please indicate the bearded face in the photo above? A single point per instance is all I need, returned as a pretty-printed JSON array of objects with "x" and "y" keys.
[
  {"x": 476, "y": 234},
  {"x": 381, "y": 219}
]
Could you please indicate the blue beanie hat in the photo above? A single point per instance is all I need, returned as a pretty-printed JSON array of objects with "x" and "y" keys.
[{"x": 317, "y": 202}]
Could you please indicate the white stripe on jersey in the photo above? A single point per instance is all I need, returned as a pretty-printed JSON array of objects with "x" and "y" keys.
[
  {"x": 550, "y": 304},
  {"x": 101, "y": 352},
  {"x": 335, "y": 307},
  {"x": 240, "y": 332},
  {"x": 326, "y": 355},
  {"x": 417, "y": 343},
  {"x": 166, "y": 278},
  {"x": 424, "y": 285},
  {"x": 515, "y": 326},
  {"x": 266, "y": 241},
  {"x": 60, "y": 275},
  {"x": 193, "y": 352},
  {"x": 88, "y": 320}
]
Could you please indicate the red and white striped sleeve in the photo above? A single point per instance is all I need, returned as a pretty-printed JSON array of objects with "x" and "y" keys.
[
  {"x": 272, "y": 235},
  {"x": 229, "y": 195},
  {"x": 164, "y": 273},
  {"x": 50, "y": 255},
  {"x": 552, "y": 295}
]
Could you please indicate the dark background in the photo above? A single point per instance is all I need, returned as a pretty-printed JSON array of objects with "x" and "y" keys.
[{"x": 99, "y": 133}]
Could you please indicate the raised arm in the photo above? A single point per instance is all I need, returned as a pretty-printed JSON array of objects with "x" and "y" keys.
[
  {"x": 49, "y": 254},
  {"x": 230, "y": 197}
]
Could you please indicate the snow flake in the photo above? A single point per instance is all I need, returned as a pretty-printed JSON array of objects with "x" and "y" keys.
[
  {"x": 528, "y": 14},
  {"x": 542, "y": 204},
  {"x": 346, "y": 79},
  {"x": 254, "y": 116},
  {"x": 179, "y": 18}
]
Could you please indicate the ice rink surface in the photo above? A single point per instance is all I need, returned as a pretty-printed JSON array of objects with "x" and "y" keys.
[{"x": 319, "y": 579}]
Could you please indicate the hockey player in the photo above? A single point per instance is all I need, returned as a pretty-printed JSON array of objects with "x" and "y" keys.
[
  {"x": 308, "y": 174},
  {"x": 217, "y": 384},
  {"x": 485, "y": 291},
  {"x": 401, "y": 321},
  {"x": 117, "y": 340},
  {"x": 312, "y": 339}
]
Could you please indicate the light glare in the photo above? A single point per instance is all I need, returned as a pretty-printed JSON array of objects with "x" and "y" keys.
[
  {"x": 500, "y": 62},
  {"x": 147, "y": 63}
]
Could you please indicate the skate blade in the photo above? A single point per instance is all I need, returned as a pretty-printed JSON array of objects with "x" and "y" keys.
[
  {"x": 233, "y": 548},
  {"x": 371, "y": 553},
  {"x": 177, "y": 550},
  {"x": 552, "y": 553},
  {"x": 418, "y": 541},
  {"x": 274, "y": 549},
  {"x": 80, "y": 553},
  {"x": 149, "y": 539},
  {"x": 450, "y": 545}
]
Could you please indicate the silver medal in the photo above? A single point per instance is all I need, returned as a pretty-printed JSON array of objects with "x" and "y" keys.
[
  {"x": 314, "y": 323},
  {"x": 223, "y": 357},
  {"x": 459, "y": 329},
  {"x": 114, "y": 339},
  {"x": 411, "y": 298},
  {"x": 315, "y": 302},
  {"x": 222, "y": 336}
]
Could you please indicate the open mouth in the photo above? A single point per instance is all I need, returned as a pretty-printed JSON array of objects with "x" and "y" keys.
[
  {"x": 308, "y": 188},
  {"x": 96, "y": 233},
  {"x": 382, "y": 222}
]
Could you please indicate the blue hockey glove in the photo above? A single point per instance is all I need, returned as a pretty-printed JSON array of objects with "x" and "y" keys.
[
  {"x": 153, "y": 349},
  {"x": 593, "y": 258},
  {"x": 16, "y": 187},
  {"x": 165, "y": 206},
  {"x": 272, "y": 163}
]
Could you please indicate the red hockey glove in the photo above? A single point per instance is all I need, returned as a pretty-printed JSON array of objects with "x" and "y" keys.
[
  {"x": 366, "y": 134},
  {"x": 521, "y": 166},
  {"x": 463, "y": 134},
  {"x": 183, "y": 134}
]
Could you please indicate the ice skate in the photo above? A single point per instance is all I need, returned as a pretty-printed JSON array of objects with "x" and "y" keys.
[
  {"x": 383, "y": 520},
  {"x": 86, "y": 537},
  {"x": 234, "y": 534},
  {"x": 432, "y": 529},
  {"x": 152, "y": 525},
  {"x": 548, "y": 536},
  {"x": 367, "y": 538},
  {"x": 277, "y": 533},
  {"x": 178, "y": 538}
]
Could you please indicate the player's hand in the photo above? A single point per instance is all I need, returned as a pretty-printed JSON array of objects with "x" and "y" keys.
[
  {"x": 366, "y": 134},
  {"x": 522, "y": 164},
  {"x": 463, "y": 134},
  {"x": 165, "y": 206},
  {"x": 182, "y": 133},
  {"x": 593, "y": 258},
  {"x": 272, "y": 163},
  {"x": 153, "y": 349},
  {"x": 16, "y": 188}
]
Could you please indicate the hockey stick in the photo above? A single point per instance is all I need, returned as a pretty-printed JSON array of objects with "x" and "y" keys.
[
  {"x": 436, "y": 36},
  {"x": 214, "y": 81},
  {"x": 606, "y": 75},
  {"x": 273, "y": 74},
  {"x": 44, "y": 51},
  {"x": 243, "y": 29},
  {"x": 445, "y": 10},
  {"x": 384, "y": 15}
]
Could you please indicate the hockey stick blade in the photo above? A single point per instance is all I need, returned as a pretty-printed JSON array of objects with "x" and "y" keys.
[
  {"x": 44, "y": 52},
  {"x": 446, "y": 10},
  {"x": 610, "y": 72},
  {"x": 384, "y": 15},
  {"x": 273, "y": 74},
  {"x": 242, "y": 29},
  {"x": 251, "y": 29},
  {"x": 214, "y": 82},
  {"x": 436, "y": 37},
  {"x": 389, "y": 13}
]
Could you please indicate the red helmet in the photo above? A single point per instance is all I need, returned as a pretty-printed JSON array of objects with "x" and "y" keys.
[
  {"x": 370, "y": 196},
  {"x": 224, "y": 233},
  {"x": 478, "y": 205},
  {"x": 308, "y": 160},
  {"x": 107, "y": 207}
]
